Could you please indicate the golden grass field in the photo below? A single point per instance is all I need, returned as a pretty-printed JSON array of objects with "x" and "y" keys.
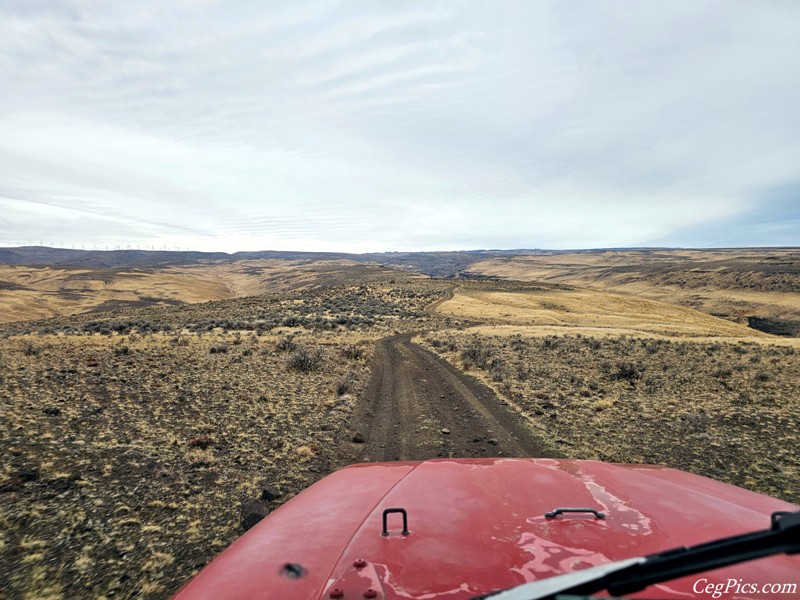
[
  {"x": 43, "y": 292},
  {"x": 734, "y": 283},
  {"x": 588, "y": 309}
]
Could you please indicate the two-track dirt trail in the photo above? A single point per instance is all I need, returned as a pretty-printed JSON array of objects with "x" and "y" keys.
[{"x": 418, "y": 406}]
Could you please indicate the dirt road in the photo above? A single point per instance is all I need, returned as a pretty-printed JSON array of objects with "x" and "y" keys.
[{"x": 417, "y": 406}]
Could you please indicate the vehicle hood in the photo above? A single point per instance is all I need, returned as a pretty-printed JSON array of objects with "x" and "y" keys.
[{"x": 479, "y": 525}]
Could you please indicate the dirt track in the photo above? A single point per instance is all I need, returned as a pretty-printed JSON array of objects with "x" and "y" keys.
[{"x": 417, "y": 407}]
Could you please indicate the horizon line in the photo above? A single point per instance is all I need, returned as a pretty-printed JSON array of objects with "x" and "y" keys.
[{"x": 178, "y": 250}]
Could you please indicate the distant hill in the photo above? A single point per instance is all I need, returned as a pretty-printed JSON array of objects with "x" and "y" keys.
[
  {"x": 435, "y": 264},
  {"x": 102, "y": 259},
  {"x": 759, "y": 287}
]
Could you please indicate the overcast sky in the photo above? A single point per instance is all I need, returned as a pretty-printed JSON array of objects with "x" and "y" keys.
[{"x": 369, "y": 126}]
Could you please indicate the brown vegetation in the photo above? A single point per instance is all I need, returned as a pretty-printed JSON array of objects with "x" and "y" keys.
[
  {"x": 723, "y": 410},
  {"x": 736, "y": 284},
  {"x": 38, "y": 292},
  {"x": 579, "y": 308},
  {"x": 137, "y": 442}
]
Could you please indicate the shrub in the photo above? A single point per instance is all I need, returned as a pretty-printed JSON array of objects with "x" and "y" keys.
[
  {"x": 628, "y": 372},
  {"x": 202, "y": 441},
  {"x": 304, "y": 361},
  {"x": 475, "y": 355},
  {"x": 696, "y": 421},
  {"x": 30, "y": 349},
  {"x": 343, "y": 385},
  {"x": 723, "y": 373},
  {"x": 201, "y": 458},
  {"x": 551, "y": 342},
  {"x": 497, "y": 370},
  {"x": 120, "y": 327},
  {"x": 287, "y": 344},
  {"x": 352, "y": 352},
  {"x": 305, "y": 451}
]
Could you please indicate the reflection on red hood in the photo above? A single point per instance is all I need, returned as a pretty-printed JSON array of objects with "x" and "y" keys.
[{"x": 478, "y": 525}]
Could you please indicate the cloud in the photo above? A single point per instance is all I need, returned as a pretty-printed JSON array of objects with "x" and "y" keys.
[
  {"x": 772, "y": 218},
  {"x": 399, "y": 126}
]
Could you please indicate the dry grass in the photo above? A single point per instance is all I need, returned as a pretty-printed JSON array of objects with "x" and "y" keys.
[
  {"x": 623, "y": 378},
  {"x": 113, "y": 456},
  {"x": 42, "y": 292},
  {"x": 723, "y": 410},
  {"x": 570, "y": 308},
  {"x": 132, "y": 447},
  {"x": 735, "y": 284}
]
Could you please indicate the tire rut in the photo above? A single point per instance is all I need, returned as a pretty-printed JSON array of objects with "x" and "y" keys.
[{"x": 417, "y": 406}]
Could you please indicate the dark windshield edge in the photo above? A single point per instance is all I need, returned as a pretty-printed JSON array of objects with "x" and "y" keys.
[{"x": 632, "y": 575}]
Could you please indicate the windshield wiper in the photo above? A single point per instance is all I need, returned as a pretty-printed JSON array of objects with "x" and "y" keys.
[{"x": 634, "y": 574}]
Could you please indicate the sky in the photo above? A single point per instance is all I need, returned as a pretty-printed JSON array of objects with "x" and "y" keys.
[{"x": 361, "y": 126}]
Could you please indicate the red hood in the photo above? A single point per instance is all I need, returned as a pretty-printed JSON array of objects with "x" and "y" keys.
[{"x": 478, "y": 525}]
